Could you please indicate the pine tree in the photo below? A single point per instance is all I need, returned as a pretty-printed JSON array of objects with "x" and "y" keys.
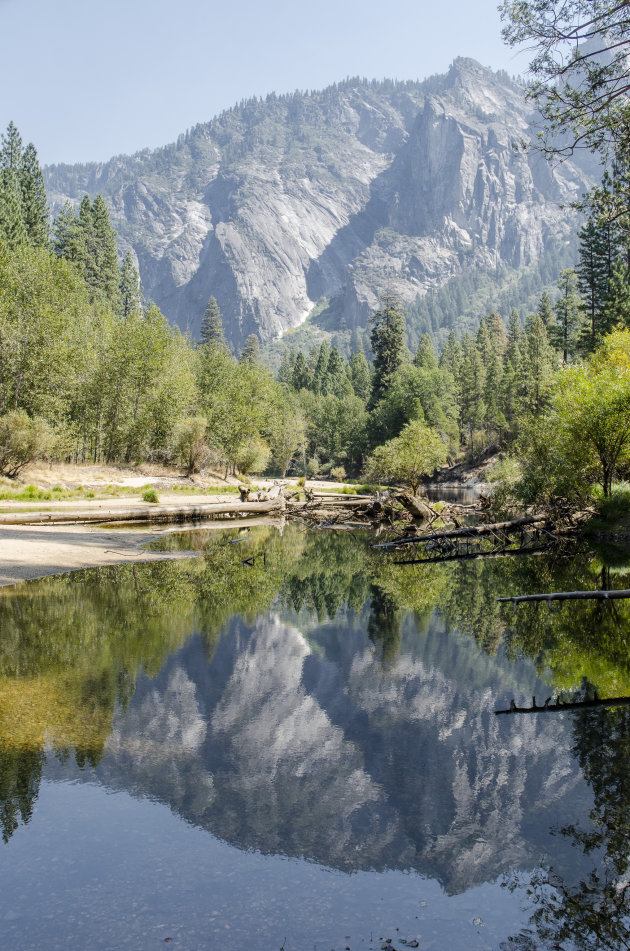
[
  {"x": 616, "y": 307},
  {"x": 567, "y": 330},
  {"x": 34, "y": 201},
  {"x": 130, "y": 294},
  {"x": 84, "y": 246},
  {"x": 538, "y": 364},
  {"x": 337, "y": 381},
  {"x": 545, "y": 311},
  {"x": 597, "y": 252},
  {"x": 472, "y": 380},
  {"x": 387, "y": 339},
  {"x": 67, "y": 237},
  {"x": 301, "y": 377},
  {"x": 285, "y": 370},
  {"x": 360, "y": 375},
  {"x": 251, "y": 350},
  {"x": 319, "y": 383},
  {"x": 212, "y": 326},
  {"x": 107, "y": 270},
  {"x": 12, "y": 228},
  {"x": 425, "y": 354},
  {"x": 498, "y": 334},
  {"x": 11, "y": 149}
]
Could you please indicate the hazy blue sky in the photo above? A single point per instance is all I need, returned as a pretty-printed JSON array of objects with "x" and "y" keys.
[{"x": 85, "y": 80}]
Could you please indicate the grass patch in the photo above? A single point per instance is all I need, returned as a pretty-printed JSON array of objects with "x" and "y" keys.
[
  {"x": 150, "y": 495},
  {"x": 613, "y": 513}
]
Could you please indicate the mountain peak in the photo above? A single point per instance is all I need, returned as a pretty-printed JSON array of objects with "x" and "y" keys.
[{"x": 325, "y": 199}]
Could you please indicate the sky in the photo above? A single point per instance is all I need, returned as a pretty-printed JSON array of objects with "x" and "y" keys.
[{"x": 85, "y": 81}]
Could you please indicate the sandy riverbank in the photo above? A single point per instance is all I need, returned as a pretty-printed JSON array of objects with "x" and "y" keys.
[{"x": 32, "y": 551}]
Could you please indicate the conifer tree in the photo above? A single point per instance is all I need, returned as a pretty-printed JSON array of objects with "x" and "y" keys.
[
  {"x": 130, "y": 294},
  {"x": 387, "y": 339},
  {"x": 616, "y": 307},
  {"x": 538, "y": 360},
  {"x": 567, "y": 330},
  {"x": 212, "y": 326},
  {"x": 360, "y": 375},
  {"x": 545, "y": 311},
  {"x": 301, "y": 377},
  {"x": 11, "y": 148},
  {"x": 107, "y": 270},
  {"x": 337, "y": 381},
  {"x": 285, "y": 370},
  {"x": 425, "y": 354},
  {"x": 12, "y": 228},
  {"x": 67, "y": 241},
  {"x": 251, "y": 350},
  {"x": 34, "y": 201},
  {"x": 319, "y": 382}
]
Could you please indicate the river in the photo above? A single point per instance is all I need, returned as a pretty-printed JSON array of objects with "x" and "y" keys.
[{"x": 289, "y": 742}]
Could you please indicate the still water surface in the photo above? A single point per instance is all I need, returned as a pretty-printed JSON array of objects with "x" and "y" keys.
[{"x": 302, "y": 752}]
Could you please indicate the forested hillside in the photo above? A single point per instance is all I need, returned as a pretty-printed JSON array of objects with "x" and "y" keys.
[{"x": 315, "y": 204}]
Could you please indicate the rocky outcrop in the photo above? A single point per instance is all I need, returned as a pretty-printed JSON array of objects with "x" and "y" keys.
[{"x": 279, "y": 204}]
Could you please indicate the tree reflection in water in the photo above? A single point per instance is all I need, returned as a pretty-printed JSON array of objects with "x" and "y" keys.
[{"x": 594, "y": 913}]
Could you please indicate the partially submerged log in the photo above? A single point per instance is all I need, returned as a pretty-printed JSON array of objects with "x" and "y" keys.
[
  {"x": 559, "y": 705},
  {"x": 570, "y": 596},
  {"x": 467, "y": 531}
]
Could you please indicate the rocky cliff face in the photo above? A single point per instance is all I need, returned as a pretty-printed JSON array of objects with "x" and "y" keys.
[{"x": 280, "y": 204}]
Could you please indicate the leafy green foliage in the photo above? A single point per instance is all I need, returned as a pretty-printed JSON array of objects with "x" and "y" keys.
[
  {"x": 417, "y": 452},
  {"x": 22, "y": 440}
]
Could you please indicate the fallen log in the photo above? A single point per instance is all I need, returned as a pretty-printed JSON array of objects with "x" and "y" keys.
[
  {"x": 475, "y": 556},
  {"x": 548, "y": 707},
  {"x": 148, "y": 513},
  {"x": 417, "y": 506},
  {"x": 570, "y": 596},
  {"x": 467, "y": 531}
]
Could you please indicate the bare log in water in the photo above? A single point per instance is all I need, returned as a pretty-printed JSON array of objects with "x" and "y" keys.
[
  {"x": 570, "y": 596},
  {"x": 467, "y": 531},
  {"x": 549, "y": 707}
]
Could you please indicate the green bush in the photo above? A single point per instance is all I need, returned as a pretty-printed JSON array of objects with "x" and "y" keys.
[
  {"x": 191, "y": 449},
  {"x": 617, "y": 505},
  {"x": 150, "y": 495},
  {"x": 22, "y": 440},
  {"x": 338, "y": 473}
]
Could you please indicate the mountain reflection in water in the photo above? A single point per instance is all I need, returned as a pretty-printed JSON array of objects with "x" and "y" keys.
[{"x": 327, "y": 705}]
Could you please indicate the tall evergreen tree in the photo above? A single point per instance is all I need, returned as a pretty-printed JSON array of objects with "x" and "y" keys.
[
  {"x": 212, "y": 326},
  {"x": 538, "y": 364},
  {"x": 67, "y": 239},
  {"x": 34, "y": 201},
  {"x": 130, "y": 294},
  {"x": 545, "y": 311},
  {"x": 251, "y": 350},
  {"x": 107, "y": 270},
  {"x": 285, "y": 370},
  {"x": 567, "y": 330},
  {"x": 360, "y": 375},
  {"x": 425, "y": 354},
  {"x": 11, "y": 148},
  {"x": 12, "y": 228},
  {"x": 301, "y": 377},
  {"x": 616, "y": 307},
  {"x": 387, "y": 339},
  {"x": 319, "y": 383}
]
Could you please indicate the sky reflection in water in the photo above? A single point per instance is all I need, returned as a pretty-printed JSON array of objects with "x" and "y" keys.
[{"x": 304, "y": 753}]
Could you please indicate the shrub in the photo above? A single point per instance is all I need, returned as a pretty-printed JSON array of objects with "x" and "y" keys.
[
  {"x": 338, "y": 473},
  {"x": 191, "y": 449},
  {"x": 22, "y": 440},
  {"x": 254, "y": 456},
  {"x": 150, "y": 495}
]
